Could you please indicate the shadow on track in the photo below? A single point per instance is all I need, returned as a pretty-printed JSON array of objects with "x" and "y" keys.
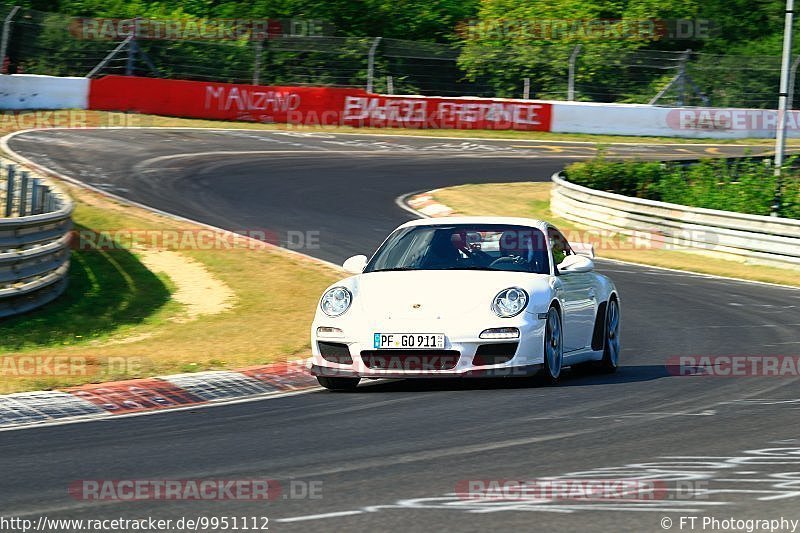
[
  {"x": 107, "y": 289},
  {"x": 571, "y": 378}
]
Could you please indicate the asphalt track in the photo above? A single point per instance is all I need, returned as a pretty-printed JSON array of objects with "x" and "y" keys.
[{"x": 390, "y": 456}]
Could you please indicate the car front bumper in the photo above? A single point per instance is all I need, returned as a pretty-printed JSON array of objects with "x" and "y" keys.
[{"x": 462, "y": 342}]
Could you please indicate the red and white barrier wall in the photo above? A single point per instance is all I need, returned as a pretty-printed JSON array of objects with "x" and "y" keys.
[
  {"x": 355, "y": 107},
  {"x": 312, "y": 105},
  {"x": 28, "y": 91}
]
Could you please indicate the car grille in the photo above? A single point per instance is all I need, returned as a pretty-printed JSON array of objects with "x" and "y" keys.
[
  {"x": 415, "y": 360},
  {"x": 495, "y": 353},
  {"x": 335, "y": 352}
]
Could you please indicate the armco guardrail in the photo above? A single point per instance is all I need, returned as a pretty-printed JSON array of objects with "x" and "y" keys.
[
  {"x": 35, "y": 237},
  {"x": 759, "y": 239}
]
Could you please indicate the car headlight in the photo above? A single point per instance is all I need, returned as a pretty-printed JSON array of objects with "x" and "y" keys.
[
  {"x": 509, "y": 302},
  {"x": 335, "y": 301}
]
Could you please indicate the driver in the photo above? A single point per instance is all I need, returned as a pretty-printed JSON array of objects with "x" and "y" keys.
[
  {"x": 441, "y": 251},
  {"x": 470, "y": 250},
  {"x": 518, "y": 251}
]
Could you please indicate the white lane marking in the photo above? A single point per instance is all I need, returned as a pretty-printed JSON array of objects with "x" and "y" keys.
[
  {"x": 319, "y": 516},
  {"x": 656, "y": 414},
  {"x": 701, "y": 470},
  {"x": 767, "y": 306},
  {"x": 378, "y": 152},
  {"x": 328, "y": 135}
]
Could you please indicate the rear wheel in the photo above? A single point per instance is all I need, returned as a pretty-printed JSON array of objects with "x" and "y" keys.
[
  {"x": 553, "y": 347},
  {"x": 338, "y": 383},
  {"x": 611, "y": 348}
]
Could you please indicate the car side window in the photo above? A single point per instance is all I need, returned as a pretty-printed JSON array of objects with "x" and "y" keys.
[{"x": 559, "y": 245}]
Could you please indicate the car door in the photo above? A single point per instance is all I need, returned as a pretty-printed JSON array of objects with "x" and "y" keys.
[{"x": 576, "y": 294}]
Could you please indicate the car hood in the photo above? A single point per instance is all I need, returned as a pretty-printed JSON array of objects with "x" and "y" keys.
[{"x": 434, "y": 293}]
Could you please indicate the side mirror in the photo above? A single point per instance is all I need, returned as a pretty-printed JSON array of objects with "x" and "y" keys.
[
  {"x": 355, "y": 264},
  {"x": 581, "y": 248},
  {"x": 576, "y": 263}
]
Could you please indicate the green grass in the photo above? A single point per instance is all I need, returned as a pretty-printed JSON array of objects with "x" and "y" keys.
[{"x": 116, "y": 309}]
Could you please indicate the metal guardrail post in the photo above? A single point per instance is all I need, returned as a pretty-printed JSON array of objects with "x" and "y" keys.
[
  {"x": 6, "y": 33},
  {"x": 36, "y": 191},
  {"x": 571, "y": 76},
  {"x": 23, "y": 193},
  {"x": 371, "y": 63},
  {"x": 45, "y": 197},
  {"x": 10, "y": 171}
]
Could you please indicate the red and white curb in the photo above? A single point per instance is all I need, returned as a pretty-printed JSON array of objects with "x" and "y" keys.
[
  {"x": 104, "y": 400},
  {"x": 425, "y": 204}
]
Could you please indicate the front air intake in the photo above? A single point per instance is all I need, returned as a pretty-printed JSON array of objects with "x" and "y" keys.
[
  {"x": 495, "y": 353},
  {"x": 335, "y": 352}
]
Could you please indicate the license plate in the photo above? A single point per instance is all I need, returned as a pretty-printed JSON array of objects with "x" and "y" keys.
[{"x": 408, "y": 341}]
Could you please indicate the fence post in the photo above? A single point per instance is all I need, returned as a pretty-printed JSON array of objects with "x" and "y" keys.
[
  {"x": 389, "y": 85},
  {"x": 526, "y": 88},
  {"x": 6, "y": 33},
  {"x": 131, "y": 61},
  {"x": 23, "y": 193},
  {"x": 792, "y": 79},
  {"x": 571, "y": 77},
  {"x": 109, "y": 56},
  {"x": 133, "y": 49},
  {"x": 371, "y": 63},
  {"x": 682, "y": 78},
  {"x": 10, "y": 171},
  {"x": 259, "y": 45}
]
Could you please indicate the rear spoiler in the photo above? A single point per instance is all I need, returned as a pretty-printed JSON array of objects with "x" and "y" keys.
[{"x": 581, "y": 248}]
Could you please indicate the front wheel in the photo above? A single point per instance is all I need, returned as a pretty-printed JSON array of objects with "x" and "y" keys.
[
  {"x": 553, "y": 348},
  {"x": 338, "y": 384},
  {"x": 612, "y": 345}
]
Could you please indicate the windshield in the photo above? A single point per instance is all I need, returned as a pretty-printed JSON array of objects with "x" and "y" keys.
[{"x": 463, "y": 247}]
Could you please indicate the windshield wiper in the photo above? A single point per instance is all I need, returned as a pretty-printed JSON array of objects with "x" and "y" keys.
[{"x": 394, "y": 269}]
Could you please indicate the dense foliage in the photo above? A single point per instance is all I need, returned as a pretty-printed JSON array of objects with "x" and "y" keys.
[
  {"x": 734, "y": 61},
  {"x": 409, "y": 19},
  {"x": 744, "y": 186}
]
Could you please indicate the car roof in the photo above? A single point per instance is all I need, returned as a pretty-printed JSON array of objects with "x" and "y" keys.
[{"x": 515, "y": 221}]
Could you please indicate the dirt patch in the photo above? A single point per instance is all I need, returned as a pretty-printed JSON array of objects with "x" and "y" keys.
[{"x": 199, "y": 291}]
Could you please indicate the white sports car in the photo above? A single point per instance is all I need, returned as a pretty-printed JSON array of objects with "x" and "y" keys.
[{"x": 466, "y": 296}]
